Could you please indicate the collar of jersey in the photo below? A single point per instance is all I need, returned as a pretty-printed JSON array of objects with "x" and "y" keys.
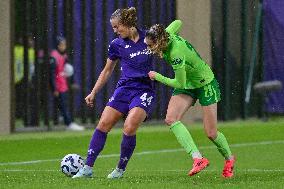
[{"x": 141, "y": 35}]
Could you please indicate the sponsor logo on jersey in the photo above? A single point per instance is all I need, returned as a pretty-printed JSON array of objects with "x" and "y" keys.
[
  {"x": 176, "y": 61},
  {"x": 145, "y": 51}
]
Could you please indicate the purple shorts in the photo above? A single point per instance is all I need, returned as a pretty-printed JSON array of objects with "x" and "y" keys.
[{"x": 125, "y": 98}]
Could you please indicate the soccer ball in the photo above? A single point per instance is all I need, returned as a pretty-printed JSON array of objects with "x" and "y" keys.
[
  {"x": 68, "y": 70},
  {"x": 71, "y": 163}
]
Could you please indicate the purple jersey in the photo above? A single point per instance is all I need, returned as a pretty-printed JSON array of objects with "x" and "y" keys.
[
  {"x": 135, "y": 60},
  {"x": 134, "y": 88}
]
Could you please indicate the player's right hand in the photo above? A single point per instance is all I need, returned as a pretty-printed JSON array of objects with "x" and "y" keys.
[
  {"x": 152, "y": 75},
  {"x": 90, "y": 100}
]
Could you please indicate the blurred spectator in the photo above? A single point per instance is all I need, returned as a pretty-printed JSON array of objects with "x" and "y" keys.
[
  {"x": 58, "y": 82},
  {"x": 19, "y": 59},
  {"x": 19, "y": 72}
]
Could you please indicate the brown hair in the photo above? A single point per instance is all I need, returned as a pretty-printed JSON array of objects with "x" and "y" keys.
[
  {"x": 126, "y": 17},
  {"x": 158, "y": 35}
]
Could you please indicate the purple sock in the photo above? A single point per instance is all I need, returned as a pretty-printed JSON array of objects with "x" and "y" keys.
[
  {"x": 96, "y": 146},
  {"x": 127, "y": 147}
]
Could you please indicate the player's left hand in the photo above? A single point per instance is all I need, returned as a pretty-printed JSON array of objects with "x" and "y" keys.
[{"x": 152, "y": 75}]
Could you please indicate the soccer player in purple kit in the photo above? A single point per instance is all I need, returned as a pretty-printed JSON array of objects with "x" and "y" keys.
[{"x": 134, "y": 93}]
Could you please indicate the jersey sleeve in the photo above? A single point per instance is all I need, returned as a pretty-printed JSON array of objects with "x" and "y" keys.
[
  {"x": 177, "y": 62},
  {"x": 113, "y": 51},
  {"x": 174, "y": 27},
  {"x": 180, "y": 77},
  {"x": 177, "y": 58}
]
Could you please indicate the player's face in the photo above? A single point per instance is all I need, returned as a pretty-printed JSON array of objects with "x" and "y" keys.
[
  {"x": 150, "y": 44},
  {"x": 62, "y": 46},
  {"x": 119, "y": 29}
]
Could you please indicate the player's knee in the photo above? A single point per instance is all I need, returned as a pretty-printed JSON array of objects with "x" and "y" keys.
[
  {"x": 129, "y": 130},
  {"x": 104, "y": 126},
  {"x": 170, "y": 120}
]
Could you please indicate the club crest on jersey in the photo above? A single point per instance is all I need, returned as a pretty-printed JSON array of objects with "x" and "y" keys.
[{"x": 111, "y": 99}]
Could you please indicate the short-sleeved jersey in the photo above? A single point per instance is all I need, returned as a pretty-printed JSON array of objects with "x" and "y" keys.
[
  {"x": 180, "y": 54},
  {"x": 135, "y": 60}
]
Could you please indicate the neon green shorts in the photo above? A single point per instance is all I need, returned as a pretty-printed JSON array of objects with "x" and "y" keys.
[{"x": 207, "y": 95}]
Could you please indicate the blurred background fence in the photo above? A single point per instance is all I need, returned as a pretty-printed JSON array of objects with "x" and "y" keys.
[
  {"x": 234, "y": 26},
  {"x": 236, "y": 50},
  {"x": 85, "y": 24}
]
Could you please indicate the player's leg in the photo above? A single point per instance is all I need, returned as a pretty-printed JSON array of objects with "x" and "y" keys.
[
  {"x": 135, "y": 117},
  {"x": 208, "y": 98},
  {"x": 140, "y": 105},
  {"x": 178, "y": 105},
  {"x": 218, "y": 138},
  {"x": 109, "y": 118},
  {"x": 116, "y": 108},
  {"x": 210, "y": 126},
  {"x": 63, "y": 107}
]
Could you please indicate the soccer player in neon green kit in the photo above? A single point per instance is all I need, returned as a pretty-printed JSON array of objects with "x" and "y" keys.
[{"x": 193, "y": 80}]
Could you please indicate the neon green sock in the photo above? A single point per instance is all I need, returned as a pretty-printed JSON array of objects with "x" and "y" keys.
[
  {"x": 222, "y": 145},
  {"x": 184, "y": 137}
]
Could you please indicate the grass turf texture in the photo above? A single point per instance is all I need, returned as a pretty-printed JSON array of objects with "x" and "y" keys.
[{"x": 257, "y": 145}]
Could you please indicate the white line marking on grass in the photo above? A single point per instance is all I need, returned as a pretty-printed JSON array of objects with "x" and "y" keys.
[
  {"x": 263, "y": 170},
  {"x": 150, "y": 152},
  {"x": 29, "y": 162},
  {"x": 27, "y": 170},
  {"x": 211, "y": 170},
  {"x": 150, "y": 170}
]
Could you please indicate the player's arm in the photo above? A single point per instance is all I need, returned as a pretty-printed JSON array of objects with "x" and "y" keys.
[
  {"x": 113, "y": 57},
  {"x": 103, "y": 78},
  {"x": 174, "y": 27},
  {"x": 104, "y": 75},
  {"x": 180, "y": 77}
]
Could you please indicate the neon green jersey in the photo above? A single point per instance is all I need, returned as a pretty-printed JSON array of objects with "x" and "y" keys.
[{"x": 190, "y": 70}]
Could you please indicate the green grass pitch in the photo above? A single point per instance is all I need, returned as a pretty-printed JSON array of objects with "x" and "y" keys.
[{"x": 31, "y": 160}]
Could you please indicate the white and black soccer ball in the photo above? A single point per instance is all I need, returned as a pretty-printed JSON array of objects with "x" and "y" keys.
[{"x": 71, "y": 163}]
